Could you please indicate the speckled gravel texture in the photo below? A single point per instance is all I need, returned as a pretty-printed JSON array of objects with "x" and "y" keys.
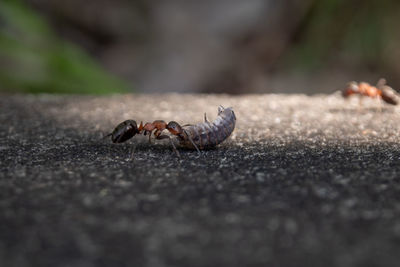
[{"x": 303, "y": 181}]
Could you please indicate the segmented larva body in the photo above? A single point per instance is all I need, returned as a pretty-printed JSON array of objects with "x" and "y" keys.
[{"x": 209, "y": 134}]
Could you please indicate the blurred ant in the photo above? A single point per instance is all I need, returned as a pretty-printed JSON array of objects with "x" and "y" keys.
[{"x": 380, "y": 91}]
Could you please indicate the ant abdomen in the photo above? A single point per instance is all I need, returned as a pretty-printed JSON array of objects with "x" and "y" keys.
[{"x": 124, "y": 131}]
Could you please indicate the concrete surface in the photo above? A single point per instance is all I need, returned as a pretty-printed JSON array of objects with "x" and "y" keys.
[{"x": 303, "y": 181}]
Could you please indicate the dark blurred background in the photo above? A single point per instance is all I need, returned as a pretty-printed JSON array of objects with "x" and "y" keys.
[{"x": 222, "y": 46}]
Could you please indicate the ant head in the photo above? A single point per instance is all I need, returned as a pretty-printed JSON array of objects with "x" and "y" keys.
[
  {"x": 174, "y": 128},
  {"x": 381, "y": 83},
  {"x": 124, "y": 131}
]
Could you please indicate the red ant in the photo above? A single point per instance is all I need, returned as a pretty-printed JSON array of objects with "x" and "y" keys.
[{"x": 381, "y": 91}]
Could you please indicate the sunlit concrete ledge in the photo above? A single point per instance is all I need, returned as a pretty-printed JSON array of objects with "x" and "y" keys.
[{"x": 302, "y": 181}]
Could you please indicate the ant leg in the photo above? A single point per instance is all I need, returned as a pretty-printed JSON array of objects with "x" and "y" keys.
[
  {"x": 150, "y": 137},
  {"x": 381, "y": 103},
  {"x": 360, "y": 103},
  {"x": 191, "y": 141},
  {"x": 172, "y": 143},
  {"x": 133, "y": 153},
  {"x": 105, "y": 136},
  {"x": 205, "y": 117},
  {"x": 148, "y": 132},
  {"x": 157, "y": 133}
]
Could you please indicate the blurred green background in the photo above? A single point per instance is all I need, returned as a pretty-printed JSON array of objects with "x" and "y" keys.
[
  {"x": 259, "y": 46},
  {"x": 34, "y": 59}
]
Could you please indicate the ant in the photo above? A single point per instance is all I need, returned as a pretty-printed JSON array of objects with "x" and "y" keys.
[
  {"x": 380, "y": 91},
  {"x": 127, "y": 129}
]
